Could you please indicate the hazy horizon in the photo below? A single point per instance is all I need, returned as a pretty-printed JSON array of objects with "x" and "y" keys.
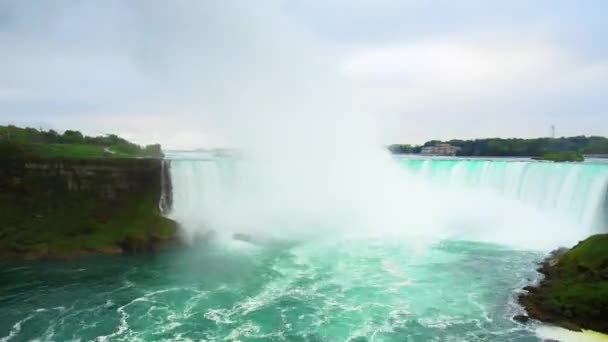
[
  {"x": 313, "y": 230},
  {"x": 210, "y": 74}
]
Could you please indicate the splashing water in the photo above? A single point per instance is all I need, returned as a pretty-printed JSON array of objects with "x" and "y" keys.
[
  {"x": 521, "y": 203},
  {"x": 322, "y": 290},
  {"x": 428, "y": 258}
]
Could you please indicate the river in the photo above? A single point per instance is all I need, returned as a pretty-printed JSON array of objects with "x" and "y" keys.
[{"x": 440, "y": 259}]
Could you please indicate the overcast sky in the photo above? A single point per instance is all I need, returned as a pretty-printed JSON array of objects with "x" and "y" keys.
[{"x": 223, "y": 72}]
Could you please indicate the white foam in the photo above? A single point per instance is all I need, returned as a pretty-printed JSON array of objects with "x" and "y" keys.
[
  {"x": 525, "y": 204},
  {"x": 123, "y": 325},
  {"x": 564, "y": 335},
  {"x": 16, "y": 329}
]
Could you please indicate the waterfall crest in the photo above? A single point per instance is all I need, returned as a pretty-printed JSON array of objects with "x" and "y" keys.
[
  {"x": 576, "y": 191},
  {"x": 524, "y": 203}
]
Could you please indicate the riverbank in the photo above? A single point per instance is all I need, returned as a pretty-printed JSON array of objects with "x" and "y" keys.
[
  {"x": 574, "y": 291},
  {"x": 65, "y": 208}
]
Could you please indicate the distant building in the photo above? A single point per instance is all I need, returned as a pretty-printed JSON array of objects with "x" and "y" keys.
[{"x": 441, "y": 149}]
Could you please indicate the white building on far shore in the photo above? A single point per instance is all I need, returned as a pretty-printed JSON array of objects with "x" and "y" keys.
[{"x": 441, "y": 149}]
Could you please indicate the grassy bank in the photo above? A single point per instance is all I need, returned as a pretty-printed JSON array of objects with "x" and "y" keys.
[
  {"x": 64, "y": 195},
  {"x": 574, "y": 292},
  {"x": 56, "y": 151},
  {"x": 564, "y": 156},
  {"x": 32, "y": 227},
  {"x": 60, "y": 208},
  {"x": 33, "y": 143}
]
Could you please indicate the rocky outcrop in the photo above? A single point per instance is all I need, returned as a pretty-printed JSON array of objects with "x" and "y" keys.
[
  {"x": 68, "y": 207},
  {"x": 105, "y": 179},
  {"x": 574, "y": 291}
]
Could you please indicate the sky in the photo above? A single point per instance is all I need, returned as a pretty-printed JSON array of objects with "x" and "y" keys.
[{"x": 211, "y": 73}]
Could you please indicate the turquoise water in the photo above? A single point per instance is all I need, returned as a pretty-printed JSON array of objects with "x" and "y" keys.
[
  {"x": 522, "y": 203},
  {"x": 576, "y": 191},
  {"x": 334, "y": 289},
  {"x": 411, "y": 250}
]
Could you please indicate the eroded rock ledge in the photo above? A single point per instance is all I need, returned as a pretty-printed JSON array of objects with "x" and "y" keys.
[
  {"x": 61, "y": 208},
  {"x": 574, "y": 291}
]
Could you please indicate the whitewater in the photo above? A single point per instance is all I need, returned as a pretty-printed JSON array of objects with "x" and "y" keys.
[
  {"x": 429, "y": 249},
  {"x": 516, "y": 202}
]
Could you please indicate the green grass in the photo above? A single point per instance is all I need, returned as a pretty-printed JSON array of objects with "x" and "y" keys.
[
  {"x": 580, "y": 284},
  {"x": 591, "y": 254},
  {"x": 61, "y": 226},
  {"x": 563, "y": 156},
  {"x": 75, "y": 151},
  {"x": 43, "y": 212},
  {"x": 574, "y": 297},
  {"x": 67, "y": 151}
]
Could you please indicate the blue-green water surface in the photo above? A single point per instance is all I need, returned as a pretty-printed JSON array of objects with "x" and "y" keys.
[{"x": 325, "y": 290}]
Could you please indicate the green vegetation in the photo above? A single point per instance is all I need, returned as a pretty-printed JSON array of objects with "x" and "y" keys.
[
  {"x": 563, "y": 156},
  {"x": 66, "y": 208},
  {"x": 32, "y": 143},
  {"x": 575, "y": 289},
  {"x": 531, "y": 147},
  {"x": 64, "y": 195},
  {"x": 34, "y": 227},
  {"x": 497, "y": 147},
  {"x": 404, "y": 149}
]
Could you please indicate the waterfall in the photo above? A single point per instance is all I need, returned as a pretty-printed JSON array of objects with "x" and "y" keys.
[
  {"x": 574, "y": 191},
  {"x": 166, "y": 195},
  {"x": 199, "y": 191},
  {"x": 519, "y": 202}
]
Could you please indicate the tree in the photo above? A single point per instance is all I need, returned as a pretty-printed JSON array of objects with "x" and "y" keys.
[
  {"x": 154, "y": 151},
  {"x": 72, "y": 137}
]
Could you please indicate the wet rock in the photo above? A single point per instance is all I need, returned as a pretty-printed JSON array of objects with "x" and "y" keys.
[
  {"x": 110, "y": 250},
  {"x": 523, "y": 319},
  {"x": 556, "y": 253},
  {"x": 60, "y": 208}
]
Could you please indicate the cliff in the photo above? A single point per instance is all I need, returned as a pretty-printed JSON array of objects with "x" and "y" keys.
[
  {"x": 58, "y": 208},
  {"x": 574, "y": 291}
]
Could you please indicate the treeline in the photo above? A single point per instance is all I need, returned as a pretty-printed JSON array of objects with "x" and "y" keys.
[
  {"x": 404, "y": 148},
  {"x": 515, "y": 147},
  {"x": 14, "y": 135}
]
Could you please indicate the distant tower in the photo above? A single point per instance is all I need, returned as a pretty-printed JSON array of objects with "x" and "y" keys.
[{"x": 553, "y": 131}]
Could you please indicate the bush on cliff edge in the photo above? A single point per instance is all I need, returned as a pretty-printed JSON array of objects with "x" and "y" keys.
[{"x": 575, "y": 289}]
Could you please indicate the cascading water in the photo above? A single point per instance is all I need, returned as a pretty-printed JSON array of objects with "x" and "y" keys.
[
  {"x": 572, "y": 191},
  {"x": 200, "y": 190},
  {"x": 518, "y": 202},
  {"x": 166, "y": 192},
  {"x": 391, "y": 249}
]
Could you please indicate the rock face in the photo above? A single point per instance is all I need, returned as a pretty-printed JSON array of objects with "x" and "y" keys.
[
  {"x": 106, "y": 179},
  {"x": 523, "y": 319},
  {"x": 574, "y": 291},
  {"x": 68, "y": 207}
]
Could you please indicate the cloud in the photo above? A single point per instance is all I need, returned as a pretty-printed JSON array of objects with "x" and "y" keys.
[
  {"x": 196, "y": 65},
  {"x": 449, "y": 65},
  {"x": 494, "y": 86},
  {"x": 233, "y": 71}
]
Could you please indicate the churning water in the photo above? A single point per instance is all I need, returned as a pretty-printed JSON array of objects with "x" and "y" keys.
[
  {"x": 439, "y": 257},
  {"x": 521, "y": 203}
]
